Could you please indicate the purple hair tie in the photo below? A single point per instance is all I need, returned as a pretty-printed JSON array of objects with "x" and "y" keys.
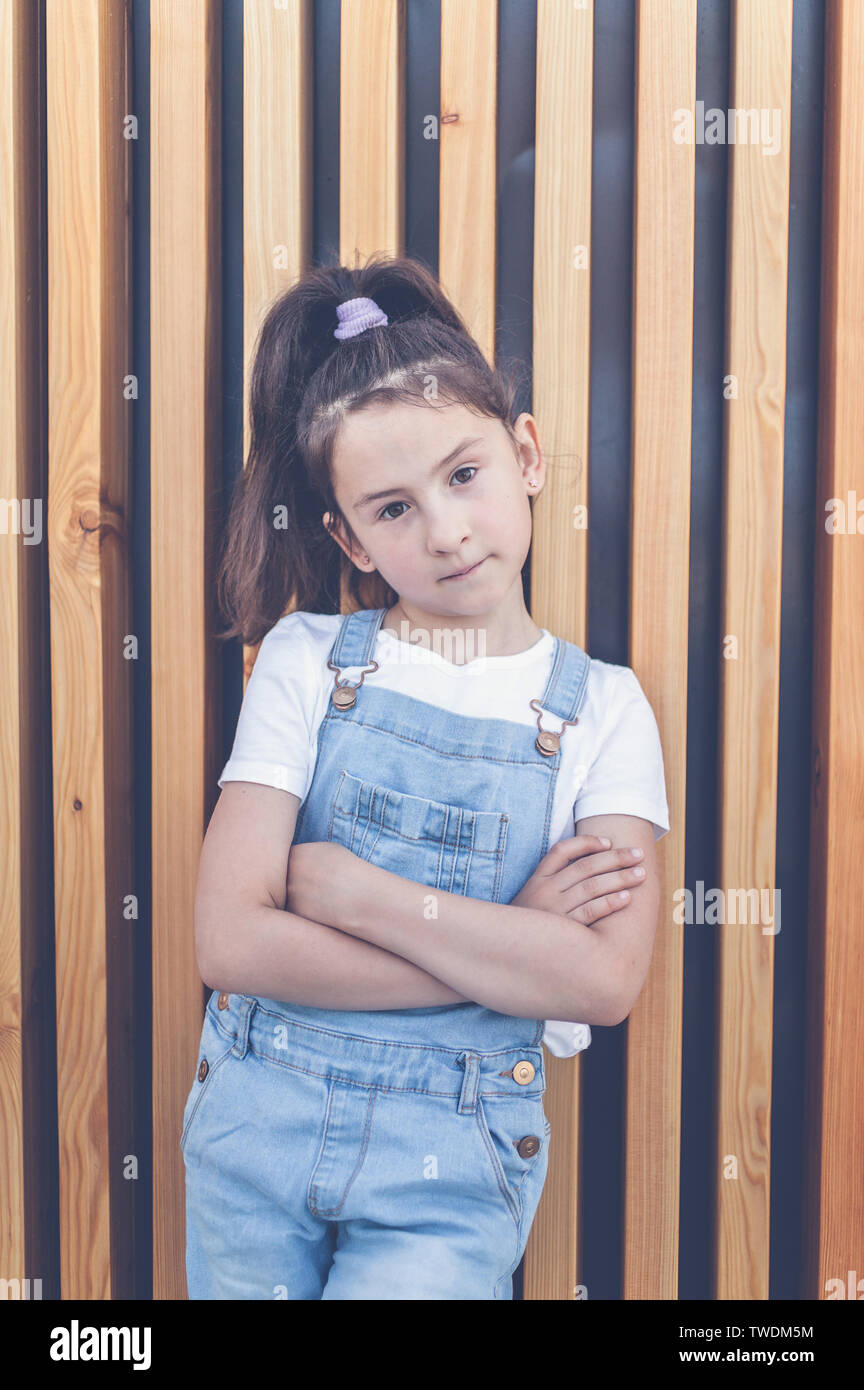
[{"x": 356, "y": 315}]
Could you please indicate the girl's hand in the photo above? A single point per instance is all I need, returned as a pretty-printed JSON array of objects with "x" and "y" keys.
[
  {"x": 579, "y": 878},
  {"x": 321, "y": 881}
]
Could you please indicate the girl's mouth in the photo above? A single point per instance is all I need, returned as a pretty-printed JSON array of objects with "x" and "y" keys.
[{"x": 465, "y": 573}]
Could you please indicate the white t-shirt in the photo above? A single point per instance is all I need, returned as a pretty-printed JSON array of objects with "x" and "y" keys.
[{"x": 611, "y": 761}]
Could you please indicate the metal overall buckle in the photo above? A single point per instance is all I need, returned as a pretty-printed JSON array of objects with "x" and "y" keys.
[
  {"x": 344, "y": 695},
  {"x": 546, "y": 741}
]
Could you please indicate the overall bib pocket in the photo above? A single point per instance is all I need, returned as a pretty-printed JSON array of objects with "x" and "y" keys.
[
  {"x": 452, "y": 848},
  {"x": 214, "y": 1050}
]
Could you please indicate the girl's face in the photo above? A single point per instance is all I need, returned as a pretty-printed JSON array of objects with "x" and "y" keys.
[{"x": 429, "y": 491}]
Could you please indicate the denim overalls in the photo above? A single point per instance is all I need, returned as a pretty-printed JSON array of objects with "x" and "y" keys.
[{"x": 395, "y": 1154}]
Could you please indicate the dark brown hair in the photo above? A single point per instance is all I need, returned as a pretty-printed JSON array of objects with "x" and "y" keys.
[{"x": 277, "y": 556}]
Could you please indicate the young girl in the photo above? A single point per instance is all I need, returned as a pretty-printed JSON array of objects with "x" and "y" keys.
[{"x": 379, "y": 913}]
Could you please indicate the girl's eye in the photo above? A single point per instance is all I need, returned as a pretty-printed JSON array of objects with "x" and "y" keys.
[{"x": 465, "y": 468}]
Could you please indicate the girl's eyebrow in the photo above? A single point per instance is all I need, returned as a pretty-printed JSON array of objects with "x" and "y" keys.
[{"x": 388, "y": 492}]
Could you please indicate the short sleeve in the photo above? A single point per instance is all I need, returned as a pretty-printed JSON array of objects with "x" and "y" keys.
[
  {"x": 274, "y": 742},
  {"x": 626, "y": 776}
]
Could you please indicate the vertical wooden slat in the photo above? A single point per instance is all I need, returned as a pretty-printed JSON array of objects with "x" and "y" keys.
[
  {"x": 371, "y": 133},
  {"x": 835, "y": 1110},
  {"x": 753, "y": 517},
  {"x": 371, "y": 144},
  {"x": 659, "y": 585},
  {"x": 87, "y": 57},
  {"x": 186, "y": 329},
  {"x": 26, "y": 809},
  {"x": 562, "y": 323},
  {"x": 467, "y": 189},
  {"x": 277, "y": 170}
]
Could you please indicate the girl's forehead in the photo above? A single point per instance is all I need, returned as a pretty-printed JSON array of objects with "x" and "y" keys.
[{"x": 405, "y": 436}]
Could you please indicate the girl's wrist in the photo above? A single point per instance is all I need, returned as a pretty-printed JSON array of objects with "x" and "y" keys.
[{"x": 349, "y": 890}]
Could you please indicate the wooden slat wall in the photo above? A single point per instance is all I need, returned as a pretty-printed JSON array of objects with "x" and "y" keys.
[
  {"x": 835, "y": 1112},
  {"x": 467, "y": 190},
  {"x": 23, "y": 624},
  {"x": 371, "y": 129},
  {"x": 750, "y": 696},
  {"x": 185, "y": 415},
  {"x": 371, "y": 144},
  {"x": 88, "y": 353},
  {"x": 659, "y": 588},
  {"x": 559, "y": 562},
  {"x": 277, "y": 170},
  {"x": 87, "y": 56}
]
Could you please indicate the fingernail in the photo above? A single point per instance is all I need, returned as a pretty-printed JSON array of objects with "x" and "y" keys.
[{"x": 605, "y": 842}]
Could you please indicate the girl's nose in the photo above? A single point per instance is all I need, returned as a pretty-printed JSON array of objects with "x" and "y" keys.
[{"x": 443, "y": 538}]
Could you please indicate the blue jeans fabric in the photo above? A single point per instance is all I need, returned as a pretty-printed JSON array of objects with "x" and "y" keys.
[
  {"x": 321, "y": 1165},
  {"x": 361, "y": 1154}
]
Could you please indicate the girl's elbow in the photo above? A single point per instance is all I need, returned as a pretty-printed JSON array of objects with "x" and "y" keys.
[
  {"x": 624, "y": 999},
  {"x": 208, "y": 956}
]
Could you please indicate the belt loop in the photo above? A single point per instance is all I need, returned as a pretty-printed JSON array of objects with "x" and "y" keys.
[
  {"x": 468, "y": 1093},
  {"x": 248, "y": 1005}
]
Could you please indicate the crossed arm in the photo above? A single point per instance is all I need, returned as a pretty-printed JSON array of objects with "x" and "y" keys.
[{"x": 356, "y": 936}]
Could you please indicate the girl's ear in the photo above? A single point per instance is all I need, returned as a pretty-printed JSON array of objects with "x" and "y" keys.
[{"x": 335, "y": 529}]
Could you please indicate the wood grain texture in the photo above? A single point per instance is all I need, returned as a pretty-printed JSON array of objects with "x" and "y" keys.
[
  {"x": 747, "y": 775},
  {"x": 467, "y": 180},
  {"x": 277, "y": 172},
  {"x": 186, "y": 347},
  {"x": 87, "y": 64},
  {"x": 371, "y": 146},
  {"x": 371, "y": 134},
  {"x": 559, "y": 557},
  {"x": 24, "y": 791},
  {"x": 663, "y": 247},
  {"x": 835, "y": 1095}
]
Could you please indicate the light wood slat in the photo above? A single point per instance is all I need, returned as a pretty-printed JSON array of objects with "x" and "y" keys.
[
  {"x": 835, "y": 1108},
  {"x": 186, "y": 331},
  {"x": 23, "y": 905},
  {"x": 371, "y": 146},
  {"x": 753, "y": 516},
  {"x": 562, "y": 310},
  {"x": 467, "y": 186},
  {"x": 371, "y": 129},
  {"x": 277, "y": 172},
  {"x": 659, "y": 583},
  {"x": 87, "y": 58}
]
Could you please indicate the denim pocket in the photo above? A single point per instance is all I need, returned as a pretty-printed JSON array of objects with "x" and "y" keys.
[
  {"x": 505, "y": 1123},
  {"x": 452, "y": 848},
  {"x": 215, "y": 1048}
]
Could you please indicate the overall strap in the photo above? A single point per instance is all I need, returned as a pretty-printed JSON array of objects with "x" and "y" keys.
[
  {"x": 355, "y": 640},
  {"x": 568, "y": 681},
  {"x": 564, "y": 694}
]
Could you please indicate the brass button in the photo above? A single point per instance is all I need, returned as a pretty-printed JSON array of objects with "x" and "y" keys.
[
  {"x": 203, "y": 1069},
  {"x": 528, "y": 1146},
  {"x": 222, "y": 1001},
  {"x": 523, "y": 1072}
]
